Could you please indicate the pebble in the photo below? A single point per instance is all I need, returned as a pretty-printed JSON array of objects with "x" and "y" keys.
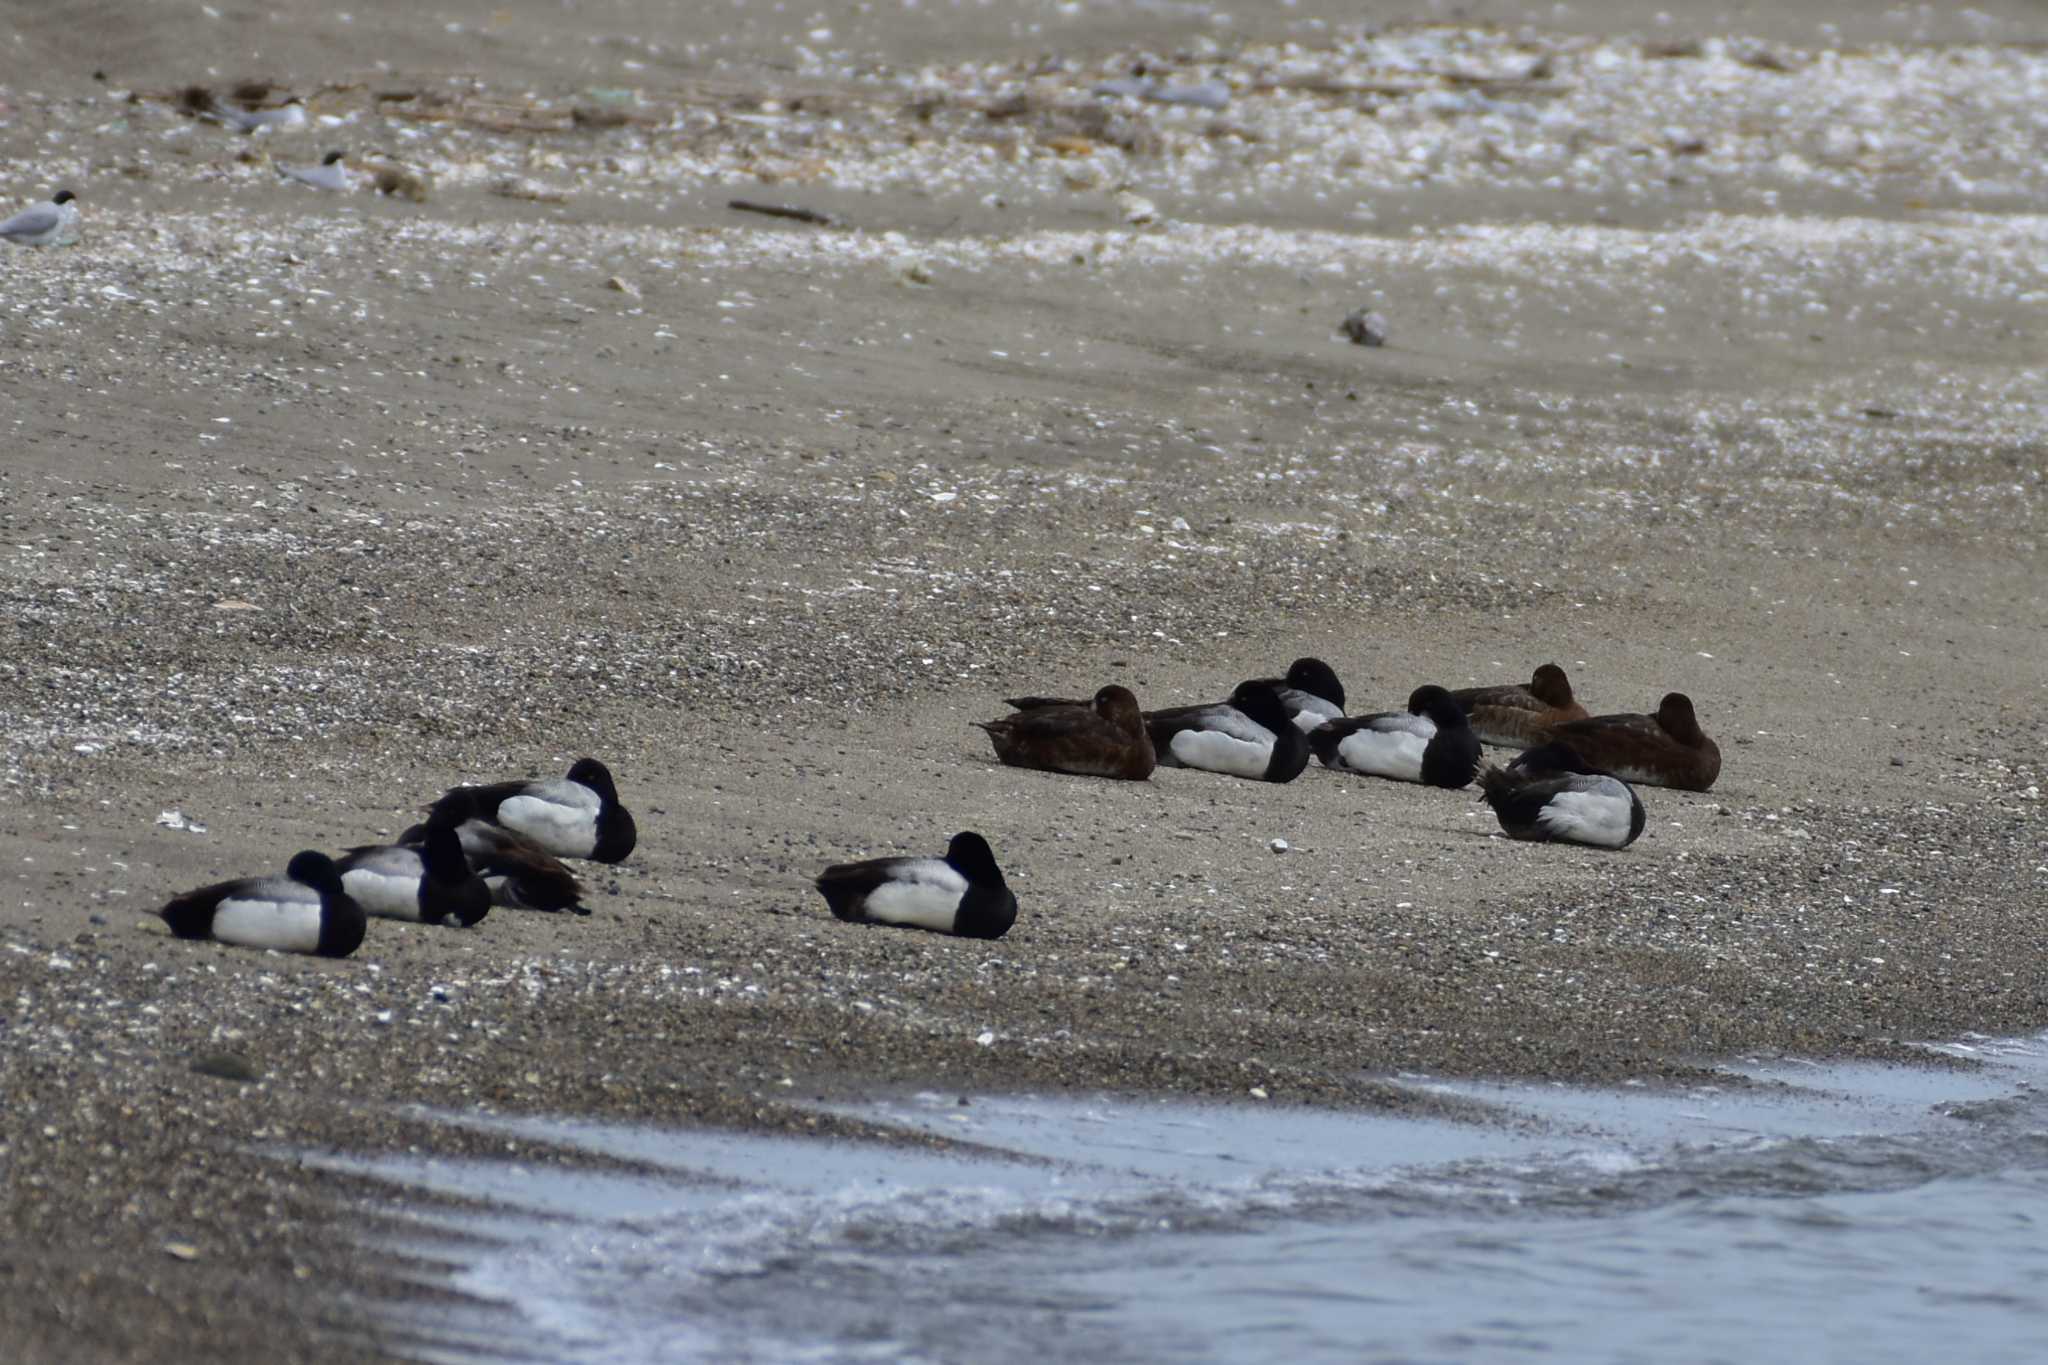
[
  {"x": 1366, "y": 328},
  {"x": 227, "y": 1066}
]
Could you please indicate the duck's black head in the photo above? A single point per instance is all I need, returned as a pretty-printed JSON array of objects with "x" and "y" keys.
[
  {"x": 976, "y": 861},
  {"x": 1438, "y": 704},
  {"x": 441, "y": 849},
  {"x": 316, "y": 870},
  {"x": 1259, "y": 701},
  {"x": 1318, "y": 679},
  {"x": 595, "y": 776},
  {"x": 62, "y": 197}
]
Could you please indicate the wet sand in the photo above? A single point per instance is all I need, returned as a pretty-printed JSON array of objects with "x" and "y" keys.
[{"x": 1714, "y": 367}]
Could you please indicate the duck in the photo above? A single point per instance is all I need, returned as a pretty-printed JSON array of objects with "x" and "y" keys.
[
  {"x": 1550, "y": 792},
  {"x": 1249, "y": 736},
  {"x": 1666, "y": 749},
  {"x": 430, "y": 881},
  {"x": 1515, "y": 715},
  {"x": 1431, "y": 742},
  {"x": 307, "y": 910},
  {"x": 1105, "y": 737},
  {"x": 578, "y": 816},
  {"x": 1310, "y": 693},
  {"x": 50, "y": 224},
  {"x": 962, "y": 893},
  {"x": 516, "y": 872}
]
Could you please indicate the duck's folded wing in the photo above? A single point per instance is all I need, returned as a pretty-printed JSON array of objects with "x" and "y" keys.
[
  {"x": 1060, "y": 724},
  {"x": 846, "y": 885},
  {"x": 460, "y": 803},
  {"x": 1221, "y": 717},
  {"x": 1512, "y": 695},
  {"x": 1628, "y": 720},
  {"x": 1044, "y": 703}
]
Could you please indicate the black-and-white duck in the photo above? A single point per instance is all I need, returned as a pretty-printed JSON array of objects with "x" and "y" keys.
[
  {"x": 1430, "y": 742},
  {"x": 307, "y": 910},
  {"x": 1249, "y": 736},
  {"x": 1550, "y": 792},
  {"x": 1310, "y": 693},
  {"x": 429, "y": 881},
  {"x": 578, "y": 816},
  {"x": 962, "y": 893}
]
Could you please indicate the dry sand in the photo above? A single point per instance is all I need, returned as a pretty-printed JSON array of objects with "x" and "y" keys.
[{"x": 1716, "y": 366}]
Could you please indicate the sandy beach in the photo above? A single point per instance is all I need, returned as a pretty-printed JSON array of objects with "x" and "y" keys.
[{"x": 1715, "y": 365}]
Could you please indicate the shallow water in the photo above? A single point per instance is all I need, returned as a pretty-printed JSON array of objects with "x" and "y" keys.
[{"x": 1851, "y": 1212}]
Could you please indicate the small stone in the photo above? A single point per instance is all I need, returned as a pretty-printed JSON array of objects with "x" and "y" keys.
[
  {"x": 1366, "y": 328},
  {"x": 182, "y": 1251},
  {"x": 1136, "y": 209},
  {"x": 620, "y": 285},
  {"x": 1279, "y": 845},
  {"x": 401, "y": 182},
  {"x": 1258, "y": 1092},
  {"x": 985, "y": 1038},
  {"x": 226, "y": 1066},
  {"x": 1898, "y": 761}
]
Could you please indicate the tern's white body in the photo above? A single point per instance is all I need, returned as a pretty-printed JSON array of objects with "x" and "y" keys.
[{"x": 50, "y": 224}]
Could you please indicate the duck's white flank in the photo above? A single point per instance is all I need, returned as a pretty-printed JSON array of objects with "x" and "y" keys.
[
  {"x": 385, "y": 887},
  {"x": 1314, "y": 711},
  {"x": 1386, "y": 753},
  {"x": 1220, "y": 752},
  {"x": 925, "y": 893},
  {"x": 559, "y": 815},
  {"x": 1599, "y": 817},
  {"x": 284, "y": 916}
]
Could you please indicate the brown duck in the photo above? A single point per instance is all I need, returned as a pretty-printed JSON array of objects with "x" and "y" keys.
[
  {"x": 1667, "y": 749},
  {"x": 1518, "y": 715},
  {"x": 1105, "y": 737}
]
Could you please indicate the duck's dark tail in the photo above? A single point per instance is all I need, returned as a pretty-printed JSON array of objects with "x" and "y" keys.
[{"x": 1496, "y": 785}]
